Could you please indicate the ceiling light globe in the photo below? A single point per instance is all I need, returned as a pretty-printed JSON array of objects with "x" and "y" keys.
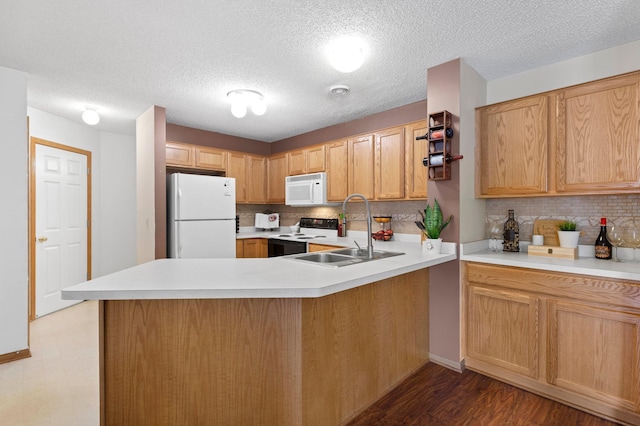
[
  {"x": 238, "y": 109},
  {"x": 91, "y": 117},
  {"x": 346, "y": 55},
  {"x": 258, "y": 107}
]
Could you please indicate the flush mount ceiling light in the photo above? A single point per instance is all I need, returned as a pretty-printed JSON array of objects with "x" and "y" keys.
[
  {"x": 90, "y": 116},
  {"x": 339, "y": 90},
  {"x": 243, "y": 99},
  {"x": 346, "y": 54}
]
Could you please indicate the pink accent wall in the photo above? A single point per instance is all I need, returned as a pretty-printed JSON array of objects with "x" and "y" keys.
[
  {"x": 443, "y": 90},
  {"x": 216, "y": 140},
  {"x": 160, "y": 161},
  {"x": 393, "y": 117}
]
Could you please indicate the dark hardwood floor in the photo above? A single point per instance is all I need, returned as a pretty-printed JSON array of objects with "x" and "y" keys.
[{"x": 438, "y": 396}]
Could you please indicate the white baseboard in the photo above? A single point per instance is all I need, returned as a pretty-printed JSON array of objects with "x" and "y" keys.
[{"x": 453, "y": 365}]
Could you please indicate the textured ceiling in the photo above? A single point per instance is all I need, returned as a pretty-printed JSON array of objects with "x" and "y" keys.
[{"x": 124, "y": 56}]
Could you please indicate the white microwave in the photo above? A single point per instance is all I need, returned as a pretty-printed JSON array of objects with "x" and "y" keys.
[{"x": 306, "y": 190}]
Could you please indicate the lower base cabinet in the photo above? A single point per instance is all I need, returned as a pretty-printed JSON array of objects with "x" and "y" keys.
[
  {"x": 252, "y": 248},
  {"x": 571, "y": 338}
]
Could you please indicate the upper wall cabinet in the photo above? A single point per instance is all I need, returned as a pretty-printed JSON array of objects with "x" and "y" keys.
[
  {"x": 598, "y": 136},
  {"x": 211, "y": 158},
  {"x": 180, "y": 155},
  {"x": 195, "y": 157},
  {"x": 307, "y": 160},
  {"x": 583, "y": 139},
  {"x": 276, "y": 174},
  {"x": 337, "y": 161},
  {"x": 416, "y": 150},
  {"x": 511, "y": 150},
  {"x": 389, "y": 164}
]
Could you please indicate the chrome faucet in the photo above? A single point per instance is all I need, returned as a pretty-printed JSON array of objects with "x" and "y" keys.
[{"x": 366, "y": 204}]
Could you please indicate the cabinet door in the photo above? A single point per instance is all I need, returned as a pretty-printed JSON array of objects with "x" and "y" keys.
[
  {"x": 513, "y": 143},
  {"x": 239, "y": 249},
  {"x": 255, "y": 248},
  {"x": 595, "y": 352},
  {"x": 210, "y": 158},
  {"x": 361, "y": 166},
  {"x": 179, "y": 154},
  {"x": 598, "y": 136},
  {"x": 415, "y": 171},
  {"x": 256, "y": 182},
  {"x": 315, "y": 159},
  {"x": 277, "y": 172},
  {"x": 502, "y": 329},
  {"x": 237, "y": 168},
  {"x": 337, "y": 157},
  {"x": 389, "y": 164},
  {"x": 297, "y": 162}
]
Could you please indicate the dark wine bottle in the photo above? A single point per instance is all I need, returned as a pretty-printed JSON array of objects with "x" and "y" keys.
[
  {"x": 603, "y": 246},
  {"x": 511, "y": 234}
]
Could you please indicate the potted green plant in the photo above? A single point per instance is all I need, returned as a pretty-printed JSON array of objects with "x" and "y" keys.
[
  {"x": 568, "y": 234},
  {"x": 433, "y": 226}
]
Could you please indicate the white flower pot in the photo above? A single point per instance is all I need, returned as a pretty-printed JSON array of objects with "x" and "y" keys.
[
  {"x": 569, "y": 239},
  {"x": 432, "y": 246}
]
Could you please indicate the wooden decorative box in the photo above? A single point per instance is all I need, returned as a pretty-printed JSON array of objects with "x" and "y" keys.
[{"x": 553, "y": 251}]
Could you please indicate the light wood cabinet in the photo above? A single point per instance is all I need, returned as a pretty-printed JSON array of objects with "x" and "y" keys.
[
  {"x": 307, "y": 160},
  {"x": 503, "y": 329},
  {"x": 594, "y": 352},
  {"x": 210, "y": 158},
  {"x": 311, "y": 247},
  {"x": 237, "y": 168},
  {"x": 255, "y": 248},
  {"x": 571, "y": 338},
  {"x": 415, "y": 171},
  {"x": 511, "y": 156},
  {"x": 583, "y": 139},
  {"x": 361, "y": 164},
  {"x": 180, "y": 154},
  {"x": 337, "y": 160},
  {"x": 184, "y": 155},
  {"x": 389, "y": 164},
  {"x": 276, "y": 174},
  {"x": 256, "y": 183},
  {"x": 598, "y": 136},
  {"x": 239, "y": 249}
]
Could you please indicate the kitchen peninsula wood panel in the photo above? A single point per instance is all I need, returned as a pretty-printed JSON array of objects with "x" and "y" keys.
[
  {"x": 582, "y": 335},
  {"x": 598, "y": 131},
  {"x": 284, "y": 361}
]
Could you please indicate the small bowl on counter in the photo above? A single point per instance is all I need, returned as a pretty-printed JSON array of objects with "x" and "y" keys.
[{"x": 385, "y": 233}]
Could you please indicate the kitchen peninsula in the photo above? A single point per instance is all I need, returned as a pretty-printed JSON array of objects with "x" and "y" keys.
[{"x": 258, "y": 341}]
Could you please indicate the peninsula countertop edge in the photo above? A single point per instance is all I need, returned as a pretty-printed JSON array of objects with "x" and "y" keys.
[{"x": 277, "y": 277}]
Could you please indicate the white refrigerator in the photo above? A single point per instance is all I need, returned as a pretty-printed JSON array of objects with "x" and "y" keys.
[{"x": 201, "y": 216}]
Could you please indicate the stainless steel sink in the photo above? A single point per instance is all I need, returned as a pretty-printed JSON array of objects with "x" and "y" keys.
[
  {"x": 362, "y": 253},
  {"x": 341, "y": 257}
]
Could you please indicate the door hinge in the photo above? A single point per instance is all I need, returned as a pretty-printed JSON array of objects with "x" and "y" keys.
[
  {"x": 88, "y": 224},
  {"x": 88, "y": 171}
]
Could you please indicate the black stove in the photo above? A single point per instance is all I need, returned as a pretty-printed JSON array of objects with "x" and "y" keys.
[{"x": 294, "y": 243}]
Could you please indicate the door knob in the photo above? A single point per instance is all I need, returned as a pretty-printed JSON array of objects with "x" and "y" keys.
[{"x": 42, "y": 239}]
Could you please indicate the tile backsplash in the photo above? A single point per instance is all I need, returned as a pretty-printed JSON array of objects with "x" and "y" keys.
[
  {"x": 622, "y": 210},
  {"x": 403, "y": 213}
]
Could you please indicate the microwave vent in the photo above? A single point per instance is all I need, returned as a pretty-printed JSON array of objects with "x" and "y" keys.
[{"x": 304, "y": 178}]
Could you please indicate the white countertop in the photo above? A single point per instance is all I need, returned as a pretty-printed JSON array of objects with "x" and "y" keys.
[
  {"x": 275, "y": 277},
  {"x": 586, "y": 264}
]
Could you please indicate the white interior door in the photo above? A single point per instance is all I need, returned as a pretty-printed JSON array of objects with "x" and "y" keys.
[{"x": 61, "y": 228}]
